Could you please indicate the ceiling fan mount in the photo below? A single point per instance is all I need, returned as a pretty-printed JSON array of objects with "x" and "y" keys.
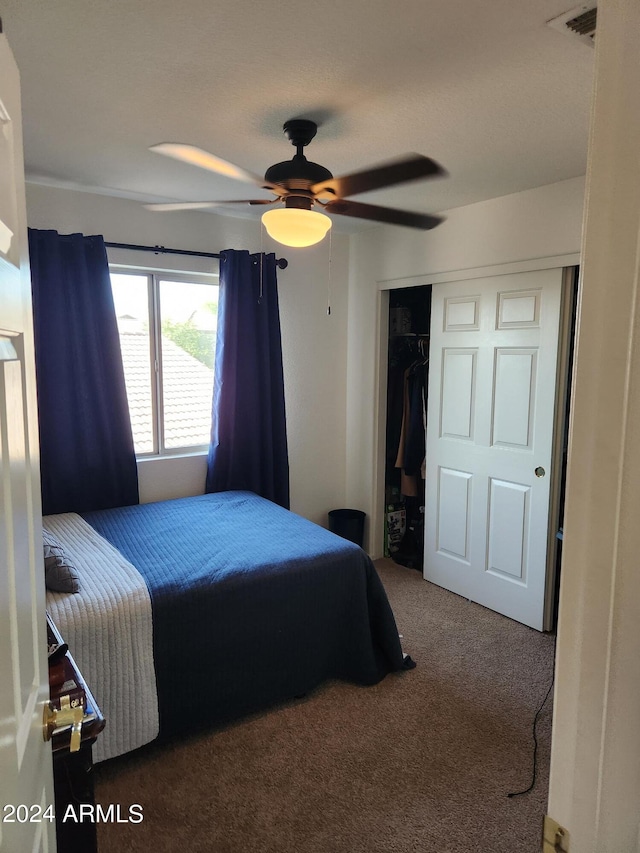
[
  {"x": 300, "y": 131},
  {"x": 297, "y": 173},
  {"x": 299, "y": 183}
]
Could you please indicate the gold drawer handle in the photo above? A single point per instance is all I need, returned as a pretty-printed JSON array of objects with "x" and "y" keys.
[{"x": 54, "y": 719}]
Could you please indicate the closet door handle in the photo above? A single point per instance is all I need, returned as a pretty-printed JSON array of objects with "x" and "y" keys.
[{"x": 539, "y": 471}]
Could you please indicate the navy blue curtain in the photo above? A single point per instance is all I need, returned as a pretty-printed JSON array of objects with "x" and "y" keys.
[
  {"x": 87, "y": 459},
  {"x": 248, "y": 435}
]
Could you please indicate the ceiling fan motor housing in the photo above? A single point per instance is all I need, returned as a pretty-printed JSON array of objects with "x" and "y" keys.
[{"x": 298, "y": 173}]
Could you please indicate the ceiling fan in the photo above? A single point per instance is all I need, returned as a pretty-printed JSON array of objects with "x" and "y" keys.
[{"x": 301, "y": 186}]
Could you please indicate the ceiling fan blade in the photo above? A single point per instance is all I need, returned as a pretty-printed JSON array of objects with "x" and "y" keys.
[
  {"x": 410, "y": 168},
  {"x": 198, "y": 157},
  {"x": 203, "y": 205},
  {"x": 424, "y": 221}
]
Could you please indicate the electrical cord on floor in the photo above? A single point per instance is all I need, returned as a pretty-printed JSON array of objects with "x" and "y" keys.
[{"x": 535, "y": 736}]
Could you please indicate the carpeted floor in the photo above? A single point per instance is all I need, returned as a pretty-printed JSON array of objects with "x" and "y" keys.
[{"x": 422, "y": 761}]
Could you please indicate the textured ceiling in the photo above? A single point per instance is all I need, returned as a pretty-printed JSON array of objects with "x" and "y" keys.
[{"x": 486, "y": 88}]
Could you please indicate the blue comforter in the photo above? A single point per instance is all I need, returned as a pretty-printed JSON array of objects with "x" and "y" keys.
[{"x": 251, "y": 604}]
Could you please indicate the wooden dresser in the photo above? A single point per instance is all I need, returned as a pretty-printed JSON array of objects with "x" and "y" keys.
[{"x": 79, "y": 722}]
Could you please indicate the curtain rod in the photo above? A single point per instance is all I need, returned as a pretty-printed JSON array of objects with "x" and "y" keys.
[{"x": 282, "y": 263}]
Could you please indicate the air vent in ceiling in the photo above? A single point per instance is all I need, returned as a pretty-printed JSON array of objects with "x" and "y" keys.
[{"x": 579, "y": 22}]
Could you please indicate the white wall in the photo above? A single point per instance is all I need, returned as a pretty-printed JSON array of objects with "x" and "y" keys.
[
  {"x": 334, "y": 437},
  {"x": 314, "y": 344},
  {"x": 537, "y": 223}
]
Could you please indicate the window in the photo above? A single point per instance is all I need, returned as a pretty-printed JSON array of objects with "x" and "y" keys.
[{"x": 167, "y": 328}]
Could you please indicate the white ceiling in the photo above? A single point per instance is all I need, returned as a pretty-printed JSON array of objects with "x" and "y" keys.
[{"x": 486, "y": 88}]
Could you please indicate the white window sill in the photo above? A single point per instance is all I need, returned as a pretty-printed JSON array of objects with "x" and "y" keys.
[{"x": 142, "y": 460}]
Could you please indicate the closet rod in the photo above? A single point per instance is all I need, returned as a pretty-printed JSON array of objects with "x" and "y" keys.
[{"x": 282, "y": 263}]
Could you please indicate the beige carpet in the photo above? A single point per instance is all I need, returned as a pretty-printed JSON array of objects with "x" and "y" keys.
[{"x": 423, "y": 761}]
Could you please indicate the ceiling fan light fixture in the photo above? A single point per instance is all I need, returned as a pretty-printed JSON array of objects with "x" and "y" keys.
[{"x": 295, "y": 227}]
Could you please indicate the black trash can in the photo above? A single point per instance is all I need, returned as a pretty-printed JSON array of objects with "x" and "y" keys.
[{"x": 348, "y": 523}]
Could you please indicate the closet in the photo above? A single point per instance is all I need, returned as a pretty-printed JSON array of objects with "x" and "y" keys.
[
  {"x": 407, "y": 398},
  {"x": 498, "y": 436}
]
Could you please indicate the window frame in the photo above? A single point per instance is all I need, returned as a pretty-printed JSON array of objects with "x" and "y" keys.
[{"x": 154, "y": 276}]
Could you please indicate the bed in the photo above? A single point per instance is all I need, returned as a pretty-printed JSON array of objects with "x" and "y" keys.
[{"x": 197, "y": 611}]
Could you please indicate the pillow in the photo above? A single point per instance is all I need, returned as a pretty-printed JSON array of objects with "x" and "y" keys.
[{"x": 60, "y": 575}]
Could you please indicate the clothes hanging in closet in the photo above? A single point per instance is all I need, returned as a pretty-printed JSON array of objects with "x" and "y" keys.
[{"x": 411, "y": 446}]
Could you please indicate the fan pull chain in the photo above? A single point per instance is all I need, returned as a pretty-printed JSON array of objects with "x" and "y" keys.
[
  {"x": 329, "y": 275},
  {"x": 261, "y": 259},
  {"x": 261, "y": 269}
]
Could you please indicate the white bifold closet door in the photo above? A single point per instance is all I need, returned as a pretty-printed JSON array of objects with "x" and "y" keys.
[{"x": 492, "y": 378}]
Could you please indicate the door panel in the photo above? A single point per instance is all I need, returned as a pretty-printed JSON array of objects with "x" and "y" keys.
[
  {"x": 508, "y": 529},
  {"x": 513, "y": 398},
  {"x": 454, "y": 495},
  {"x": 519, "y": 310},
  {"x": 25, "y": 759},
  {"x": 492, "y": 375},
  {"x": 458, "y": 393}
]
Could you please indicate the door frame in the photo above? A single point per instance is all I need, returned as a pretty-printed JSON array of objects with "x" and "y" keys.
[
  {"x": 566, "y": 336},
  {"x": 376, "y": 539},
  {"x": 594, "y": 785}
]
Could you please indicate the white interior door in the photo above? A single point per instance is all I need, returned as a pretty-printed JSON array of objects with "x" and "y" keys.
[
  {"x": 492, "y": 377},
  {"x": 25, "y": 759}
]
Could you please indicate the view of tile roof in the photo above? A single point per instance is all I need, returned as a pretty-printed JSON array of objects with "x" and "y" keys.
[{"x": 187, "y": 392}]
